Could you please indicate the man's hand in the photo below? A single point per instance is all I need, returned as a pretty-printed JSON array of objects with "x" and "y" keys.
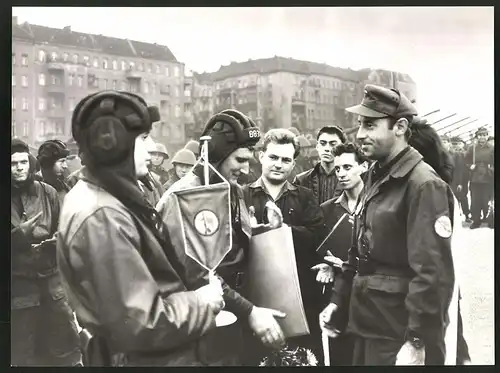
[
  {"x": 325, "y": 273},
  {"x": 212, "y": 295},
  {"x": 28, "y": 226},
  {"x": 325, "y": 318},
  {"x": 472, "y": 167},
  {"x": 263, "y": 323},
  {"x": 409, "y": 355},
  {"x": 335, "y": 261}
]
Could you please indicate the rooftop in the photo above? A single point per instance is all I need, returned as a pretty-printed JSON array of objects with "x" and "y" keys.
[{"x": 104, "y": 44}]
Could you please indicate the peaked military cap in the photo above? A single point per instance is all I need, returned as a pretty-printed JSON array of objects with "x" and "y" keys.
[
  {"x": 381, "y": 102},
  {"x": 482, "y": 130}
]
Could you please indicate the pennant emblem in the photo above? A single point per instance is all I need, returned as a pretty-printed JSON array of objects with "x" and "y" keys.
[{"x": 206, "y": 223}]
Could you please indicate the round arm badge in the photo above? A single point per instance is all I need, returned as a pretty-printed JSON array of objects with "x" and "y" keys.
[{"x": 442, "y": 226}]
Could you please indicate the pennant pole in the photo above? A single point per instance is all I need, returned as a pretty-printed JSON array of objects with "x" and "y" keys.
[{"x": 205, "y": 140}]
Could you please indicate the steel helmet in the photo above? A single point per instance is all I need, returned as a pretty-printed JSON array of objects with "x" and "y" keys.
[
  {"x": 184, "y": 156},
  {"x": 161, "y": 149}
]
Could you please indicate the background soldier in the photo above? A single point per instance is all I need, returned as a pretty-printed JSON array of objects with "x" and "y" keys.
[
  {"x": 460, "y": 181},
  {"x": 43, "y": 328},
  {"x": 182, "y": 162},
  {"x": 321, "y": 179},
  {"x": 158, "y": 156},
  {"x": 52, "y": 157},
  {"x": 480, "y": 159},
  {"x": 404, "y": 282}
]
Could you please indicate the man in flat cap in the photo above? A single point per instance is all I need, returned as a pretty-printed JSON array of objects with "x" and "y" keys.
[
  {"x": 401, "y": 286},
  {"x": 480, "y": 160}
]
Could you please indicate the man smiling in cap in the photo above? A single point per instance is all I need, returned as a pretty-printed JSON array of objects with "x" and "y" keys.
[{"x": 401, "y": 286}]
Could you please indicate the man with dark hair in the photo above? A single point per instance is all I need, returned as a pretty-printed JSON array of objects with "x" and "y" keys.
[
  {"x": 321, "y": 178},
  {"x": 480, "y": 160},
  {"x": 52, "y": 156},
  {"x": 43, "y": 328},
  {"x": 400, "y": 273},
  {"x": 233, "y": 136},
  {"x": 300, "y": 211},
  {"x": 350, "y": 164}
]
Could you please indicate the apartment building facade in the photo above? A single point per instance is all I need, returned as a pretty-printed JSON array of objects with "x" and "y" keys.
[
  {"x": 284, "y": 92},
  {"x": 53, "y": 69}
]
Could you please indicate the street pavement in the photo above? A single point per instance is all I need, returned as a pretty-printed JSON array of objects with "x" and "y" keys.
[{"x": 476, "y": 266}]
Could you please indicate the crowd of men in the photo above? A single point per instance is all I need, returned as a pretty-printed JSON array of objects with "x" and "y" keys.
[{"x": 100, "y": 278}]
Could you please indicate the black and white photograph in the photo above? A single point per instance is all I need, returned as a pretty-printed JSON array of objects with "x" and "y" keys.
[{"x": 252, "y": 186}]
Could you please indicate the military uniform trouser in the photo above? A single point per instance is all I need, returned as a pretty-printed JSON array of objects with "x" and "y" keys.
[
  {"x": 481, "y": 194},
  {"x": 45, "y": 335}
]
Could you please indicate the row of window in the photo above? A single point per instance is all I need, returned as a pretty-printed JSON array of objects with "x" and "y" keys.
[
  {"x": 24, "y": 103},
  {"x": 24, "y": 59},
  {"x": 105, "y": 63},
  {"x": 25, "y": 129},
  {"x": 50, "y": 127},
  {"x": 327, "y": 113}
]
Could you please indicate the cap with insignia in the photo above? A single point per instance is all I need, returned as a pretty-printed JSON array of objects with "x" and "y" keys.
[{"x": 381, "y": 102}]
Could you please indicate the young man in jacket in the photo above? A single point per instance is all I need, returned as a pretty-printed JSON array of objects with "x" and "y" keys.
[
  {"x": 233, "y": 136},
  {"x": 52, "y": 156},
  {"x": 300, "y": 211},
  {"x": 321, "y": 178},
  {"x": 400, "y": 270},
  {"x": 460, "y": 182},
  {"x": 119, "y": 272},
  {"x": 43, "y": 328}
]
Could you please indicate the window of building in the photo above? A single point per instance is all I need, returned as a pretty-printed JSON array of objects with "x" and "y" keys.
[
  {"x": 187, "y": 93},
  {"x": 54, "y": 80},
  {"x": 42, "y": 104},
  {"x": 105, "y": 83},
  {"x": 13, "y": 59},
  {"x": 60, "y": 128},
  {"x": 41, "y": 55},
  {"x": 75, "y": 58},
  {"x": 65, "y": 57},
  {"x": 176, "y": 71},
  {"x": 115, "y": 65},
  {"x": 167, "y": 71},
  {"x": 71, "y": 103},
  {"x": 26, "y": 128},
  {"x": 80, "y": 80},
  {"x": 95, "y": 83},
  {"x": 86, "y": 60},
  {"x": 123, "y": 86},
  {"x": 71, "y": 78},
  {"x": 13, "y": 101},
  {"x": 24, "y": 60},
  {"x": 105, "y": 63},
  {"x": 176, "y": 91},
  {"x": 96, "y": 62},
  {"x": 114, "y": 84},
  {"x": 134, "y": 88},
  {"x": 41, "y": 79},
  {"x": 131, "y": 65},
  {"x": 177, "y": 112},
  {"x": 146, "y": 87},
  {"x": 53, "y": 56},
  {"x": 153, "y": 88},
  {"x": 140, "y": 67},
  {"x": 13, "y": 128},
  {"x": 43, "y": 129},
  {"x": 157, "y": 69},
  {"x": 149, "y": 67},
  {"x": 13, "y": 80},
  {"x": 25, "y": 104},
  {"x": 124, "y": 65}
]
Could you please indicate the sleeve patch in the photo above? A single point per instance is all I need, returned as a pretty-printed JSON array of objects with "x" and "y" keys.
[{"x": 442, "y": 226}]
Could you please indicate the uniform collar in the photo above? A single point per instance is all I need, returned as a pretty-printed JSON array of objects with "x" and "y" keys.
[
  {"x": 404, "y": 163},
  {"x": 260, "y": 184}
]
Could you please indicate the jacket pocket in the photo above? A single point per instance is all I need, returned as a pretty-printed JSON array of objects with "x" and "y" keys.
[{"x": 388, "y": 284}]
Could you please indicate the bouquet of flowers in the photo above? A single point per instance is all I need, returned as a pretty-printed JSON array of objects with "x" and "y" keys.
[{"x": 288, "y": 357}]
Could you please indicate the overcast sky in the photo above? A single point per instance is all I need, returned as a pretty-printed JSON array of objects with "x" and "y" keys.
[{"x": 448, "y": 51}]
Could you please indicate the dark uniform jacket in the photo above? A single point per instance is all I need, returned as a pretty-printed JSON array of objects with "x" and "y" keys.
[
  {"x": 123, "y": 286},
  {"x": 162, "y": 174},
  {"x": 484, "y": 159},
  {"x": 32, "y": 268},
  {"x": 403, "y": 227},
  {"x": 322, "y": 185},
  {"x": 171, "y": 180},
  {"x": 303, "y": 214}
]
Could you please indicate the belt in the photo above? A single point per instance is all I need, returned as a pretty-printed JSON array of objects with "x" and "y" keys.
[{"x": 370, "y": 267}]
